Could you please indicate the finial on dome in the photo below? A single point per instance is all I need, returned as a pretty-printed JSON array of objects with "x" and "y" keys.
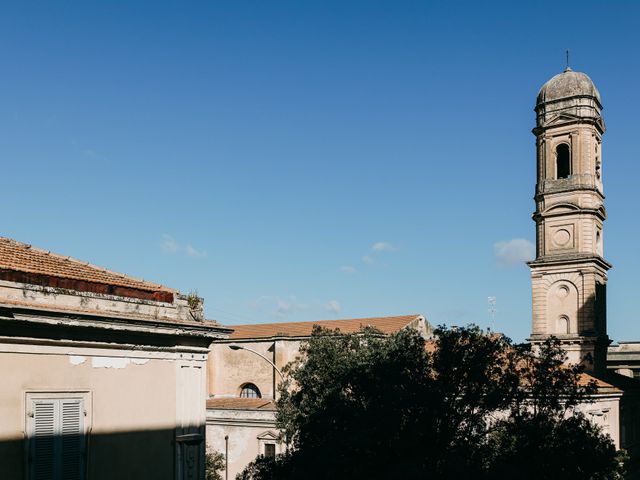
[{"x": 567, "y": 68}]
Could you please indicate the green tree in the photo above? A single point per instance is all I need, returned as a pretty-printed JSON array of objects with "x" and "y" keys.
[
  {"x": 214, "y": 464},
  {"x": 470, "y": 405}
]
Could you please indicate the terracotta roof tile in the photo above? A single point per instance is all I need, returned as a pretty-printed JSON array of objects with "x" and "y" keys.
[
  {"x": 20, "y": 257},
  {"x": 386, "y": 325},
  {"x": 586, "y": 378},
  {"x": 240, "y": 404}
]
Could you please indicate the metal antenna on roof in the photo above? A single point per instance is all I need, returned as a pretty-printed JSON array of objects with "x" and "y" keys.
[{"x": 492, "y": 311}]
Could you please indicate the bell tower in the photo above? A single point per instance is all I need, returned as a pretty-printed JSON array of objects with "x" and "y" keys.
[{"x": 569, "y": 274}]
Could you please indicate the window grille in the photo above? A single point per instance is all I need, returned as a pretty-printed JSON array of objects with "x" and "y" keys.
[{"x": 269, "y": 449}]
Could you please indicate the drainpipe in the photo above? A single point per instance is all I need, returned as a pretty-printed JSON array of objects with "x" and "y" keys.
[
  {"x": 226, "y": 457},
  {"x": 273, "y": 372}
]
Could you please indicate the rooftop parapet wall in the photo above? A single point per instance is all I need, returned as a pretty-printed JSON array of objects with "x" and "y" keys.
[{"x": 85, "y": 286}]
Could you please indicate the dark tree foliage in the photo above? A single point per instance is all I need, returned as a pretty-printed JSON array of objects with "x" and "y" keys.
[
  {"x": 468, "y": 405},
  {"x": 542, "y": 447},
  {"x": 214, "y": 463},
  {"x": 267, "y": 468}
]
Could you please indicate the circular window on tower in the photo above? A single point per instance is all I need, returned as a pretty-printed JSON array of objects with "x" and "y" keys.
[
  {"x": 561, "y": 237},
  {"x": 562, "y": 292}
]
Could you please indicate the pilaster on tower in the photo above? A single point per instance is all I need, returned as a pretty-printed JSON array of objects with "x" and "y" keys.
[{"x": 569, "y": 274}]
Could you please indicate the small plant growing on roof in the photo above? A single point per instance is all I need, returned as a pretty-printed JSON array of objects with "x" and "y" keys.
[{"x": 193, "y": 300}]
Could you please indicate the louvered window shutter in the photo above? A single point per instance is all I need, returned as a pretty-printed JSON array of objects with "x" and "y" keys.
[
  {"x": 72, "y": 415},
  {"x": 57, "y": 439},
  {"x": 42, "y": 442}
]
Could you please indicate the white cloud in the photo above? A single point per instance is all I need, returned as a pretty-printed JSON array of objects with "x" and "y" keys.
[
  {"x": 333, "y": 307},
  {"x": 192, "y": 252},
  {"x": 348, "y": 269},
  {"x": 277, "y": 306},
  {"x": 168, "y": 244},
  {"x": 368, "y": 259},
  {"x": 514, "y": 252},
  {"x": 290, "y": 307},
  {"x": 376, "y": 250},
  {"x": 283, "y": 308},
  {"x": 382, "y": 247}
]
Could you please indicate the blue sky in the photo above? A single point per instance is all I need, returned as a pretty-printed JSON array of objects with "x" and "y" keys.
[{"x": 309, "y": 160}]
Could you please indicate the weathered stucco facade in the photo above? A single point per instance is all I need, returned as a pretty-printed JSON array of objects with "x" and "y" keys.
[{"x": 97, "y": 385}]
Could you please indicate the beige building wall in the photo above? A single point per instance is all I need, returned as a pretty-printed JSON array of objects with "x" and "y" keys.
[
  {"x": 113, "y": 382},
  {"x": 605, "y": 413},
  {"x": 132, "y": 405},
  {"x": 244, "y": 432},
  {"x": 230, "y": 369}
]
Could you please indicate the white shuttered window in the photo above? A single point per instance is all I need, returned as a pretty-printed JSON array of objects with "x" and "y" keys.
[{"x": 56, "y": 438}]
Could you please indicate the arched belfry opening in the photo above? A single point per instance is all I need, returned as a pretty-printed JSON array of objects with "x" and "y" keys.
[{"x": 563, "y": 161}]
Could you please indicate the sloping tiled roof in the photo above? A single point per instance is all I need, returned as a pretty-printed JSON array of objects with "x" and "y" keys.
[
  {"x": 612, "y": 382},
  {"x": 34, "y": 263},
  {"x": 386, "y": 325},
  {"x": 240, "y": 404}
]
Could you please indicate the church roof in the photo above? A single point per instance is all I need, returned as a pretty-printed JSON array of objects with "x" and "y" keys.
[
  {"x": 600, "y": 383},
  {"x": 568, "y": 84},
  {"x": 23, "y": 263},
  {"x": 386, "y": 325}
]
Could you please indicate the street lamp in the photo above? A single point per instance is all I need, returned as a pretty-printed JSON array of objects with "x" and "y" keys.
[{"x": 240, "y": 347}]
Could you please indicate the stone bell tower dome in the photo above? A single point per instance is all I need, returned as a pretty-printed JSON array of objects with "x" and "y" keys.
[{"x": 569, "y": 274}]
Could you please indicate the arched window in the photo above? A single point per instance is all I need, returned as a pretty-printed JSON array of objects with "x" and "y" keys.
[
  {"x": 563, "y": 161},
  {"x": 249, "y": 390},
  {"x": 563, "y": 325}
]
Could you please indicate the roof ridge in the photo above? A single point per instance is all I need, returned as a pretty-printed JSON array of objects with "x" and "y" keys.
[
  {"x": 387, "y": 324},
  {"x": 328, "y": 320},
  {"x": 72, "y": 260}
]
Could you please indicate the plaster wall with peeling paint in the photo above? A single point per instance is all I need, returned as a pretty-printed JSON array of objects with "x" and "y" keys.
[
  {"x": 137, "y": 365},
  {"x": 230, "y": 369},
  {"x": 115, "y": 380}
]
